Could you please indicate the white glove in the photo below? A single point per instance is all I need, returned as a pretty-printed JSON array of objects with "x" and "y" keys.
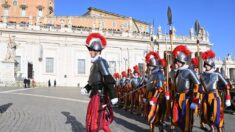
[
  {"x": 228, "y": 100},
  {"x": 151, "y": 103},
  {"x": 114, "y": 101},
  {"x": 144, "y": 99},
  {"x": 193, "y": 106},
  {"x": 167, "y": 97},
  {"x": 84, "y": 91},
  {"x": 228, "y": 103}
]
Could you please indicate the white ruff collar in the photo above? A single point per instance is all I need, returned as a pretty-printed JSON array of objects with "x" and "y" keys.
[
  {"x": 212, "y": 70},
  {"x": 95, "y": 58},
  {"x": 183, "y": 67},
  {"x": 135, "y": 76}
]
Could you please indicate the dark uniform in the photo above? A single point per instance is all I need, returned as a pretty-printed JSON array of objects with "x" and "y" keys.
[{"x": 101, "y": 88}]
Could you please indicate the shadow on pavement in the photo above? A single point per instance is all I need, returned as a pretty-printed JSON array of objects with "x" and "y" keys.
[
  {"x": 127, "y": 124},
  {"x": 76, "y": 125},
  {"x": 4, "y": 107},
  {"x": 130, "y": 125},
  {"x": 127, "y": 114}
]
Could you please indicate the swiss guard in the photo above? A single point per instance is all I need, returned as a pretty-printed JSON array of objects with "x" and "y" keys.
[
  {"x": 135, "y": 83},
  {"x": 212, "y": 105},
  {"x": 156, "y": 85},
  {"x": 187, "y": 85},
  {"x": 100, "y": 87}
]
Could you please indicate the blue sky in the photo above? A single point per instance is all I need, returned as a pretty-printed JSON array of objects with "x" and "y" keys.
[{"x": 217, "y": 16}]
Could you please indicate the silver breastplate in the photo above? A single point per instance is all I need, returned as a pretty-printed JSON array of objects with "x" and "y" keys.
[
  {"x": 185, "y": 79},
  {"x": 95, "y": 75},
  {"x": 182, "y": 82},
  {"x": 117, "y": 82},
  {"x": 210, "y": 81},
  {"x": 155, "y": 81},
  {"x": 135, "y": 82},
  {"x": 122, "y": 82}
]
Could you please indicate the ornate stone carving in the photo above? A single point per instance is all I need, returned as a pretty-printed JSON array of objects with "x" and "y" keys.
[{"x": 11, "y": 47}]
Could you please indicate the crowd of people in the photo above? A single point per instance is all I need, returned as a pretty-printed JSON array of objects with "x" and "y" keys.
[
  {"x": 176, "y": 95},
  {"x": 160, "y": 94}
]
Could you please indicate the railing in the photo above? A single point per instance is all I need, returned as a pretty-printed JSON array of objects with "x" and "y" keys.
[
  {"x": 179, "y": 38},
  {"x": 78, "y": 30}
]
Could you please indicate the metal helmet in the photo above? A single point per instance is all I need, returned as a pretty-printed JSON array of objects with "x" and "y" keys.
[
  {"x": 209, "y": 58},
  {"x": 181, "y": 53},
  {"x": 152, "y": 59},
  {"x": 96, "y": 42},
  {"x": 210, "y": 62}
]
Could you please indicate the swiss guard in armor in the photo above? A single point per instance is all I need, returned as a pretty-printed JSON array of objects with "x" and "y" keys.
[
  {"x": 100, "y": 87},
  {"x": 187, "y": 85},
  {"x": 212, "y": 105},
  {"x": 121, "y": 91},
  {"x": 123, "y": 79},
  {"x": 195, "y": 67},
  {"x": 117, "y": 78},
  {"x": 127, "y": 89},
  {"x": 135, "y": 83},
  {"x": 156, "y": 84}
]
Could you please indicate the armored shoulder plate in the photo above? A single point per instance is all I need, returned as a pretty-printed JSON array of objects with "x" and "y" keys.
[
  {"x": 103, "y": 66},
  {"x": 222, "y": 79}
]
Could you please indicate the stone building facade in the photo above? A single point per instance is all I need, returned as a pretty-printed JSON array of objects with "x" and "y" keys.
[{"x": 47, "y": 47}]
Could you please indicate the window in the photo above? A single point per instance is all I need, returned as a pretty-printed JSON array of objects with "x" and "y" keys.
[
  {"x": 23, "y": 12},
  {"x": 18, "y": 63},
  {"x": 15, "y": 2},
  {"x": 5, "y": 11},
  {"x": 81, "y": 66},
  {"x": 125, "y": 25},
  {"x": 40, "y": 13},
  {"x": 112, "y": 66},
  {"x": 114, "y": 24},
  {"x": 49, "y": 65}
]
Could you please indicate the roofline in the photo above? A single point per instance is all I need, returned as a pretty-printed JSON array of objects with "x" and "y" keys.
[{"x": 103, "y": 11}]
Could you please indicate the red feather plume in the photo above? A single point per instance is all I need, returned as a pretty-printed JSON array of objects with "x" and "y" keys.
[
  {"x": 163, "y": 62},
  {"x": 116, "y": 75},
  {"x": 208, "y": 54},
  {"x": 124, "y": 74},
  {"x": 181, "y": 48},
  {"x": 151, "y": 53},
  {"x": 129, "y": 70},
  {"x": 136, "y": 68},
  {"x": 195, "y": 61},
  {"x": 172, "y": 66},
  {"x": 96, "y": 35}
]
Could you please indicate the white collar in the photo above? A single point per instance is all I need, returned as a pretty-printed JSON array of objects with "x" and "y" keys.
[
  {"x": 135, "y": 76},
  {"x": 95, "y": 58},
  {"x": 212, "y": 70},
  {"x": 183, "y": 67}
]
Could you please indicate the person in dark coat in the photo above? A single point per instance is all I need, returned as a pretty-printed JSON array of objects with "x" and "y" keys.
[
  {"x": 54, "y": 83},
  {"x": 49, "y": 83}
]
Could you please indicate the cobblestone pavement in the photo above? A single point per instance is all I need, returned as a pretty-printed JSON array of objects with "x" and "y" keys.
[{"x": 63, "y": 110}]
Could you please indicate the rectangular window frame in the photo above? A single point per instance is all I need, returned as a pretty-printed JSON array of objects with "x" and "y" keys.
[
  {"x": 79, "y": 67},
  {"x": 49, "y": 71}
]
